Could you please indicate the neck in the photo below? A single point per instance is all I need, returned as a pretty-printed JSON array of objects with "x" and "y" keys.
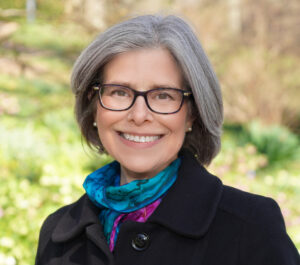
[{"x": 127, "y": 176}]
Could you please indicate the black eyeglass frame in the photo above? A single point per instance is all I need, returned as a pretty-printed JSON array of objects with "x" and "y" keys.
[{"x": 185, "y": 94}]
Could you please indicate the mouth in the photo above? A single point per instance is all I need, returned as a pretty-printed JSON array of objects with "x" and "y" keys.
[{"x": 140, "y": 138}]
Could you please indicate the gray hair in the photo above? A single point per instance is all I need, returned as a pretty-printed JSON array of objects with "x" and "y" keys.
[{"x": 150, "y": 31}]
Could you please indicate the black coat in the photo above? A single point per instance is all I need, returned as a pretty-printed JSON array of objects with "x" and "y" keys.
[{"x": 199, "y": 221}]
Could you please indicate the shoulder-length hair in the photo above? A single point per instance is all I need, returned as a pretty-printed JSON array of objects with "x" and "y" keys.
[{"x": 151, "y": 31}]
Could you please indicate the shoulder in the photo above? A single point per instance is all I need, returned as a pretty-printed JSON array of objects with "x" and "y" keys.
[
  {"x": 51, "y": 222},
  {"x": 251, "y": 208},
  {"x": 263, "y": 238}
]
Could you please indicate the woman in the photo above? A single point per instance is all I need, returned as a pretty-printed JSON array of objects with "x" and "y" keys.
[{"x": 147, "y": 95}]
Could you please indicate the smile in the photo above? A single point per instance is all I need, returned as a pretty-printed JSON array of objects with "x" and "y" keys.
[{"x": 140, "y": 139}]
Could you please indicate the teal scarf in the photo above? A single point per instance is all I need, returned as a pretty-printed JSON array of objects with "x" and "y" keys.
[{"x": 104, "y": 190}]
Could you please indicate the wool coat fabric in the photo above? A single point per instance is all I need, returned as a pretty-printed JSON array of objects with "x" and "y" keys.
[{"x": 199, "y": 221}]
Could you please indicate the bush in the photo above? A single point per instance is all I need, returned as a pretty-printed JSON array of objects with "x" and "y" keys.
[
  {"x": 22, "y": 153},
  {"x": 276, "y": 142}
]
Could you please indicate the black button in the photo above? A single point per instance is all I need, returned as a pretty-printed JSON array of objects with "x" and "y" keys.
[{"x": 140, "y": 242}]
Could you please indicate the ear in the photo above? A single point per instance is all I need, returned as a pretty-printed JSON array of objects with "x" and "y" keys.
[
  {"x": 189, "y": 123},
  {"x": 191, "y": 115},
  {"x": 90, "y": 94}
]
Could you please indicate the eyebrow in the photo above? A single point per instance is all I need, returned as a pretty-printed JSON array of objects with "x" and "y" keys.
[{"x": 126, "y": 84}]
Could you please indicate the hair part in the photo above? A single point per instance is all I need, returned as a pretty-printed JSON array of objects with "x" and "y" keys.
[{"x": 151, "y": 31}]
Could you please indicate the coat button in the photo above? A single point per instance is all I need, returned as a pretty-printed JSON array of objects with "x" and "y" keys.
[{"x": 140, "y": 242}]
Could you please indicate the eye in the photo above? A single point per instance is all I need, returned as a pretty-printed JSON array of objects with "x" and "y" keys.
[
  {"x": 116, "y": 91},
  {"x": 163, "y": 96},
  {"x": 119, "y": 93}
]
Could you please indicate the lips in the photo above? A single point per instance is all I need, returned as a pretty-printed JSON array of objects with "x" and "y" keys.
[{"x": 140, "y": 138}]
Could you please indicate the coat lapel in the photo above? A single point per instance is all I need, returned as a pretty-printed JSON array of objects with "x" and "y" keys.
[
  {"x": 82, "y": 218},
  {"x": 191, "y": 204}
]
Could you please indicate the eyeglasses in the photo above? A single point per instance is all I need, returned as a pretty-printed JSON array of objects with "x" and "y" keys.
[{"x": 159, "y": 100}]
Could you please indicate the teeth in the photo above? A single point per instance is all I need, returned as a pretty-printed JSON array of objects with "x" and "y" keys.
[{"x": 140, "y": 139}]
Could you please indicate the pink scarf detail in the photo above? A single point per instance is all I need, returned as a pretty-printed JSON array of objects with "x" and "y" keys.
[{"x": 140, "y": 216}]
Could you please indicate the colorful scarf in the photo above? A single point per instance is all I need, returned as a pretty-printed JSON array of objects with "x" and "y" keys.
[
  {"x": 104, "y": 190},
  {"x": 140, "y": 216}
]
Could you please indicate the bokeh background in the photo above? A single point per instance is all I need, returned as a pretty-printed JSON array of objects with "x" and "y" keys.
[{"x": 254, "y": 46}]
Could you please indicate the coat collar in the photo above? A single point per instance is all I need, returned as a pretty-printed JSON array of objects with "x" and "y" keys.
[
  {"x": 82, "y": 216},
  {"x": 76, "y": 219},
  {"x": 191, "y": 204},
  {"x": 188, "y": 208}
]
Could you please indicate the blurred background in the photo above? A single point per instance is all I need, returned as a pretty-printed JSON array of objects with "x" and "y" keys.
[{"x": 254, "y": 46}]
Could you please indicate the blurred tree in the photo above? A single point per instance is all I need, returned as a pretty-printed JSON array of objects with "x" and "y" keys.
[
  {"x": 30, "y": 10},
  {"x": 234, "y": 15},
  {"x": 255, "y": 47},
  {"x": 272, "y": 24},
  {"x": 98, "y": 14},
  {"x": 89, "y": 12}
]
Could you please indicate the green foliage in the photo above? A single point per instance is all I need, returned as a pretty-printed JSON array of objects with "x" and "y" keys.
[
  {"x": 46, "y": 9},
  {"x": 12, "y": 4},
  {"x": 41, "y": 35},
  {"x": 20, "y": 155},
  {"x": 276, "y": 142}
]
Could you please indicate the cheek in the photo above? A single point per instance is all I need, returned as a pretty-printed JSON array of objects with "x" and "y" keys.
[
  {"x": 180, "y": 122},
  {"x": 105, "y": 117},
  {"x": 174, "y": 141},
  {"x": 177, "y": 125},
  {"x": 103, "y": 120},
  {"x": 106, "y": 123}
]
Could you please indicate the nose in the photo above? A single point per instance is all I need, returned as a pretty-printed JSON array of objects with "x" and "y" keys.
[{"x": 139, "y": 112}]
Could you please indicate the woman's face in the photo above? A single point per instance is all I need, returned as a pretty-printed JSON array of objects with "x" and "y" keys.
[{"x": 142, "y": 70}]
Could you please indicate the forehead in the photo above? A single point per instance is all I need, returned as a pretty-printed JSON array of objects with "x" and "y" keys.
[{"x": 143, "y": 67}]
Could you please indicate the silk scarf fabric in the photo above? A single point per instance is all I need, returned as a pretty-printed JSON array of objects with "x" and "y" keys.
[{"x": 104, "y": 190}]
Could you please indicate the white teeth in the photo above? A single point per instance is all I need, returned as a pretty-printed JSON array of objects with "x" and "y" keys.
[{"x": 140, "y": 139}]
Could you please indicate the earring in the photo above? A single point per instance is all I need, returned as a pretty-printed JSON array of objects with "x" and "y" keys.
[
  {"x": 94, "y": 124},
  {"x": 189, "y": 129}
]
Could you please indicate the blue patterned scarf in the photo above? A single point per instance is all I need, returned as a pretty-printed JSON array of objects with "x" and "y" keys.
[{"x": 104, "y": 190}]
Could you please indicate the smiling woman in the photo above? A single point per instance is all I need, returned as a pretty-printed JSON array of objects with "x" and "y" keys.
[
  {"x": 147, "y": 95},
  {"x": 123, "y": 133}
]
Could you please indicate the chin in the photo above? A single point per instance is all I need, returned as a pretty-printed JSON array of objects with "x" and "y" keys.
[
  {"x": 138, "y": 169},
  {"x": 144, "y": 167}
]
